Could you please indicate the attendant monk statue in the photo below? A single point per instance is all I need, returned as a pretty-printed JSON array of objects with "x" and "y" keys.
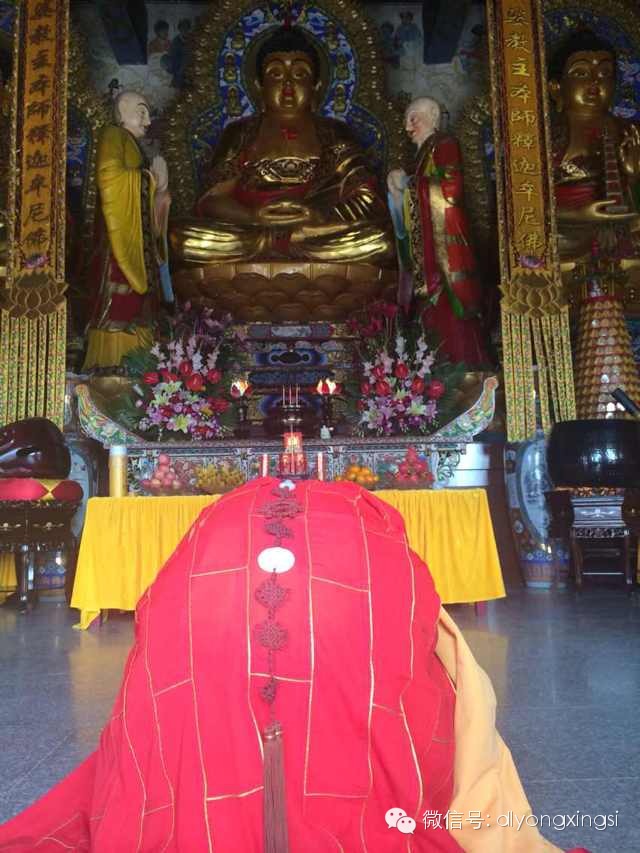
[
  {"x": 437, "y": 262},
  {"x": 596, "y": 154},
  {"x": 287, "y": 183},
  {"x": 129, "y": 263}
]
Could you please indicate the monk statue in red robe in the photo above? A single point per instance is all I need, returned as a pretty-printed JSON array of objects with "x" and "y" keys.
[
  {"x": 433, "y": 239},
  {"x": 294, "y": 685}
]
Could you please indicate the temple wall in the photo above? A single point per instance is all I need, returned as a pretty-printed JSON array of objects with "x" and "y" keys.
[{"x": 452, "y": 73}]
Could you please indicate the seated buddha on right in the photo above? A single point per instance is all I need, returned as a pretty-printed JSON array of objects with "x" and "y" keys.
[{"x": 596, "y": 153}]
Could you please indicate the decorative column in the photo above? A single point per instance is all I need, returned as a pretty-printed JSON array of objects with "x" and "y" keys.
[
  {"x": 33, "y": 307},
  {"x": 535, "y": 319},
  {"x": 604, "y": 356}
]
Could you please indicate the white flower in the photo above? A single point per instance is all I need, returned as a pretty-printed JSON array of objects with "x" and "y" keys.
[{"x": 386, "y": 362}]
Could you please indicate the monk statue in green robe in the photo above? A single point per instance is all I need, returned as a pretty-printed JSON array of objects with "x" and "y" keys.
[{"x": 287, "y": 183}]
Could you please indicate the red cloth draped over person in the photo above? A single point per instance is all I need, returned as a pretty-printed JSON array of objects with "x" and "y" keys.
[
  {"x": 433, "y": 237},
  {"x": 293, "y": 685}
]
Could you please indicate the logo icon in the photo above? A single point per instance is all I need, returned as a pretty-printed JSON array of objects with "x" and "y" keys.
[{"x": 398, "y": 819}]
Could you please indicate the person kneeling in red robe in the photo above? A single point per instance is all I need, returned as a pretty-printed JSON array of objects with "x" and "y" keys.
[{"x": 294, "y": 685}]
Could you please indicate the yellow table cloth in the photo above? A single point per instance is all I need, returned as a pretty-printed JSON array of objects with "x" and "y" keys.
[
  {"x": 7, "y": 575},
  {"x": 126, "y": 541}
]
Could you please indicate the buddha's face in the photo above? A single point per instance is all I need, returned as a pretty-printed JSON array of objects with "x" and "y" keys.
[
  {"x": 288, "y": 82},
  {"x": 588, "y": 82}
]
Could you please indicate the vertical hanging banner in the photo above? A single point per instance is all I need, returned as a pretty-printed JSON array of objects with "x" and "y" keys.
[
  {"x": 33, "y": 306},
  {"x": 535, "y": 318}
]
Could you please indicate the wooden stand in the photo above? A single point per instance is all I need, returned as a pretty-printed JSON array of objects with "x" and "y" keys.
[
  {"x": 31, "y": 526},
  {"x": 598, "y": 514}
]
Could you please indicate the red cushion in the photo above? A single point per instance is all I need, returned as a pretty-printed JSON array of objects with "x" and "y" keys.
[{"x": 28, "y": 489}]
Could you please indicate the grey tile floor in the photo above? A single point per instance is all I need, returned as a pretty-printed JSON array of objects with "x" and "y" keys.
[{"x": 566, "y": 670}]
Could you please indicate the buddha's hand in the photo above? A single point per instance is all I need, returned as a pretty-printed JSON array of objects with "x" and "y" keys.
[
  {"x": 597, "y": 211},
  {"x": 285, "y": 212},
  {"x": 630, "y": 151}
]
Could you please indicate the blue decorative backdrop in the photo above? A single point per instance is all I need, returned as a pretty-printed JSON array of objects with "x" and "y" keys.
[
  {"x": 236, "y": 101},
  {"x": 7, "y": 17}
]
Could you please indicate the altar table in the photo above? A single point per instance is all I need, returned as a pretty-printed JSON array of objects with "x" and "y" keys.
[{"x": 126, "y": 541}]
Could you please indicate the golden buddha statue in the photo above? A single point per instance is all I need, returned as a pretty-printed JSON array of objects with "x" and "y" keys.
[
  {"x": 597, "y": 185},
  {"x": 596, "y": 154},
  {"x": 287, "y": 183}
]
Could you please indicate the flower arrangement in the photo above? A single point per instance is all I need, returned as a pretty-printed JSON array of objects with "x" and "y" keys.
[
  {"x": 403, "y": 388},
  {"x": 179, "y": 385}
]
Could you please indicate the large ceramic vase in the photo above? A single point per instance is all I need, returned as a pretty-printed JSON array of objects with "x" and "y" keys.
[{"x": 544, "y": 561}]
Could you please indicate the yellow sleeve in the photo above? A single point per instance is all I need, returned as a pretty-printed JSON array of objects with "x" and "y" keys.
[{"x": 119, "y": 177}]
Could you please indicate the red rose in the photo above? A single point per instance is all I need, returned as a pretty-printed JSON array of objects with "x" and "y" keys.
[
  {"x": 151, "y": 378},
  {"x": 379, "y": 372},
  {"x": 185, "y": 368},
  {"x": 219, "y": 405},
  {"x": 365, "y": 388},
  {"x": 214, "y": 376},
  {"x": 401, "y": 370},
  {"x": 417, "y": 386},
  {"x": 435, "y": 389},
  {"x": 360, "y": 405},
  {"x": 382, "y": 388},
  {"x": 168, "y": 376},
  {"x": 195, "y": 382},
  {"x": 389, "y": 310}
]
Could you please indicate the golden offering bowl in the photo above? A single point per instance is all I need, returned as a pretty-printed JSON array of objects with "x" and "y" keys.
[{"x": 105, "y": 390}]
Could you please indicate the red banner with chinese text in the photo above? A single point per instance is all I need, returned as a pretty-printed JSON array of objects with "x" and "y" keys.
[
  {"x": 535, "y": 325},
  {"x": 35, "y": 275}
]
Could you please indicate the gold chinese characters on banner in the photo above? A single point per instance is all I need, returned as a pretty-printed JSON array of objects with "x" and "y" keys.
[
  {"x": 535, "y": 322},
  {"x": 33, "y": 316}
]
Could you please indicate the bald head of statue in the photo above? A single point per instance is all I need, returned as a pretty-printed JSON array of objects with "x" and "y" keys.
[
  {"x": 132, "y": 112},
  {"x": 422, "y": 119}
]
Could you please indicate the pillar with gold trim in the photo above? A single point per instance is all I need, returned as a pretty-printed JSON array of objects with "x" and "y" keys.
[
  {"x": 535, "y": 318},
  {"x": 33, "y": 304}
]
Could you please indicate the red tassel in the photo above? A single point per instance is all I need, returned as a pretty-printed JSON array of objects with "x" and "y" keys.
[{"x": 276, "y": 836}]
